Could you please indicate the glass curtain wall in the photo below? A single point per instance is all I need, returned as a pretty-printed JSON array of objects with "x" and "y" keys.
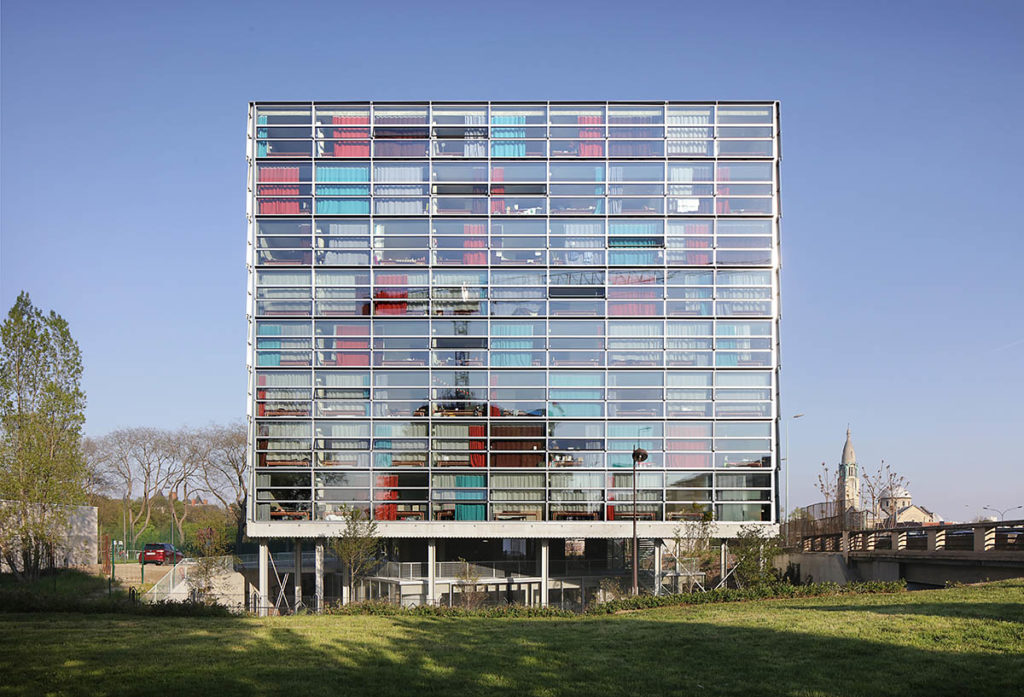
[{"x": 473, "y": 312}]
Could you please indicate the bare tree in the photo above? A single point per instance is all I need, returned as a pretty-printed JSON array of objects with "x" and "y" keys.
[
  {"x": 191, "y": 448},
  {"x": 140, "y": 462},
  {"x": 830, "y": 517},
  {"x": 224, "y": 472},
  {"x": 211, "y": 561},
  {"x": 885, "y": 483},
  {"x": 691, "y": 549},
  {"x": 470, "y": 595},
  {"x": 98, "y": 479},
  {"x": 828, "y": 484},
  {"x": 872, "y": 485}
]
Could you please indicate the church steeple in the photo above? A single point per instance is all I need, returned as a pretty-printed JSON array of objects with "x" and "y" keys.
[
  {"x": 849, "y": 483},
  {"x": 849, "y": 457}
]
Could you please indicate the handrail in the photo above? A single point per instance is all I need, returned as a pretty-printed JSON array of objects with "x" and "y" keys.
[{"x": 987, "y": 536}]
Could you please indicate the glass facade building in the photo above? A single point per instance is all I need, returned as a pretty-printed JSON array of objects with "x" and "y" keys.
[{"x": 472, "y": 313}]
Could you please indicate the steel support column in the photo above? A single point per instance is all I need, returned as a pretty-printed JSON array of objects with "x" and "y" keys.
[
  {"x": 318, "y": 572},
  {"x": 657, "y": 566},
  {"x": 298, "y": 574},
  {"x": 545, "y": 561},
  {"x": 431, "y": 571},
  {"x": 264, "y": 582}
]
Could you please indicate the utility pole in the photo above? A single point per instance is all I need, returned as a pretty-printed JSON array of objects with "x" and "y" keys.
[{"x": 786, "y": 510}]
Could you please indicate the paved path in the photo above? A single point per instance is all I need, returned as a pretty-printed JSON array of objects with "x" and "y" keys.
[{"x": 131, "y": 574}]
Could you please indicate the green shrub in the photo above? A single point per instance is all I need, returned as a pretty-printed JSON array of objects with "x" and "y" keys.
[
  {"x": 378, "y": 608},
  {"x": 640, "y": 602},
  {"x": 758, "y": 592}
]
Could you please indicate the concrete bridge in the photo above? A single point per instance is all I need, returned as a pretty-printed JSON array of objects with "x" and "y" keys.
[{"x": 924, "y": 555}]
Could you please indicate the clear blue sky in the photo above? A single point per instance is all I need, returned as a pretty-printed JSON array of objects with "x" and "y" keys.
[{"x": 123, "y": 166}]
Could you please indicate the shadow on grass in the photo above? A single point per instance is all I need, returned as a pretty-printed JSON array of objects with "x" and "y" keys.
[
  {"x": 352, "y": 656},
  {"x": 59, "y": 582}
]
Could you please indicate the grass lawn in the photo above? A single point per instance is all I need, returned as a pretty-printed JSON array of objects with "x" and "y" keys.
[{"x": 962, "y": 641}]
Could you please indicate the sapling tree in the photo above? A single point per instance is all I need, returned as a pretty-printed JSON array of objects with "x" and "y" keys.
[
  {"x": 754, "y": 550},
  {"x": 358, "y": 545}
]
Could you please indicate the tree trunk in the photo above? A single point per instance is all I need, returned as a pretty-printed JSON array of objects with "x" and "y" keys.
[{"x": 239, "y": 510}]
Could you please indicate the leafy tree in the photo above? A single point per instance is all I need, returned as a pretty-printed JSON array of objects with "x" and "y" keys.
[
  {"x": 42, "y": 470},
  {"x": 754, "y": 551},
  {"x": 358, "y": 545}
]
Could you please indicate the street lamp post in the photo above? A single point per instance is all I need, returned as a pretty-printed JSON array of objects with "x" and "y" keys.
[
  {"x": 785, "y": 512},
  {"x": 639, "y": 455},
  {"x": 1002, "y": 513}
]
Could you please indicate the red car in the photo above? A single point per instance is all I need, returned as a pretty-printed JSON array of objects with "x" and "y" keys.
[{"x": 160, "y": 553}]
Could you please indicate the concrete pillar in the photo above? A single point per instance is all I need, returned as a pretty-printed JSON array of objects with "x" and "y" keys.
[
  {"x": 264, "y": 595},
  {"x": 657, "y": 566},
  {"x": 984, "y": 538},
  {"x": 298, "y": 573},
  {"x": 431, "y": 571},
  {"x": 545, "y": 561},
  {"x": 345, "y": 594},
  {"x": 722, "y": 561},
  {"x": 318, "y": 572},
  {"x": 899, "y": 539},
  {"x": 936, "y": 539}
]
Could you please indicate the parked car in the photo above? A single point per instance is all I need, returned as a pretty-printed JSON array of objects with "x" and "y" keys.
[{"x": 160, "y": 553}]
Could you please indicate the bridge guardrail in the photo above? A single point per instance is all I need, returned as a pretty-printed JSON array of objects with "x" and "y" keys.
[{"x": 992, "y": 536}]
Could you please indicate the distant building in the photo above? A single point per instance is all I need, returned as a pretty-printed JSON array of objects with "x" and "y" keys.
[
  {"x": 79, "y": 546},
  {"x": 894, "y": 506}
]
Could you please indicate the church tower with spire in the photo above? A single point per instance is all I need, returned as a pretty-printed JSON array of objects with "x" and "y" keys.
[{"x": 848, "y": 491}]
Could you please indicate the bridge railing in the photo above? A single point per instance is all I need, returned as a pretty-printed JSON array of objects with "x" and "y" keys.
[{"x": 991, "y": 536}]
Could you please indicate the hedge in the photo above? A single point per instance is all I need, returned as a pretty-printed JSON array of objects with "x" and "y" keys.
[
  {"x": 759, "y": 592},
  {"x": 640, "y": 602}
]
